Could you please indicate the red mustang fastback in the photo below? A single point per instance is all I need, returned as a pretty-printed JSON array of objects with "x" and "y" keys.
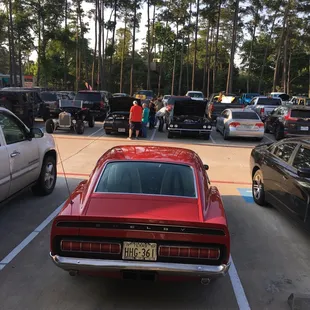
[{"x": 146, "y": 212}]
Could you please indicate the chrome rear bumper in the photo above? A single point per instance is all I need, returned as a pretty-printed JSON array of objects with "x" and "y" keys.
[{"x": 80, "y": 264}]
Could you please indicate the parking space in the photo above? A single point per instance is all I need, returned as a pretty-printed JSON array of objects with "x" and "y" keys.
[{"x": 269, "y": 252}]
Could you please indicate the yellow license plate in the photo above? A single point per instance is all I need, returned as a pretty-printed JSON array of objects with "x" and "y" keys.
[{"x": 140, "y": 251}]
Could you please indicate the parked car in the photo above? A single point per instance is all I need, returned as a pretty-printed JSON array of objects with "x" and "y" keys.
[
  {"x": 289, "y": 121},
  {"x": 154, "y": 220},
  {"x": 117, "y": 119},
  {"x": 300, "y": 101},
  {"x": 281, "y": 177},
  {"x": 68, "y": 93},
  {"x": 189, "y": 119},
  {"x": 144, "y": 95},
  {"x": 247, "y": 97},
  {"x": 25, "y": 103},
  {"x": 240, "y": 123},
  {"x": 94, "y": 101},
  {"x": 263, "y": 106},
  {"x": 27, "y": 158},
  {"x": 195, "y": 95}
]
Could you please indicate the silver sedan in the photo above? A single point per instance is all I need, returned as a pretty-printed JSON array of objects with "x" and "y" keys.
[{"x": 240, "y": 123}]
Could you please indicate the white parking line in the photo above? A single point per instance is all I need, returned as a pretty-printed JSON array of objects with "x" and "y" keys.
[
  {"x": 96, "y": 132},
  {"x": 29, "y": 238},
  {"x": 212, "y": 140},
  {"x": 153, "y": 134},
  {"x": 233, "y": 274},
  {"x": 237, "y": 287}
]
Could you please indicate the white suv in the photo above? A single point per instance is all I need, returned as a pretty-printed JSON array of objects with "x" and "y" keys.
[
  {"x": 195, "y": 95},
  {"x": 27, "y": 158}
]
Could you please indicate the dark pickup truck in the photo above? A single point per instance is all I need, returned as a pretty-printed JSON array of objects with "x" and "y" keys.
[{"x": 215, "y": 108}]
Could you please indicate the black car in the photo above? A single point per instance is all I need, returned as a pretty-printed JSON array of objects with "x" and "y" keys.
[
  {"x": 188, "y": 118},
  {"x": 289, "y": 121},
  {"x": 94, "y": 101},
  {"x": 281, "y": 176},
  {"x": 117, "y": 119},
  {"x": 24, "y": 103}
]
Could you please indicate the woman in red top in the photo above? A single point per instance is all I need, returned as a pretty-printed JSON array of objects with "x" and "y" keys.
[{"x": 135, "y": 119}]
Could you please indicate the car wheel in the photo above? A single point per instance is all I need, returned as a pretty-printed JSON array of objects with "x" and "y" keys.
[
  {"x": 206, "y": 137},
  {"x": 225, "y": 134},
  {"x": 258, "y": 191},
  {"x": 170, "y": 135},
  {"x": 278, "y": 134},
  {"x": 107, "y": 132},
  {"x": 47, "y": 179},
  {"x": 91, "y": 122},
  {"x": 49, "y": 126},
  {"x": 79, "y": 127}
]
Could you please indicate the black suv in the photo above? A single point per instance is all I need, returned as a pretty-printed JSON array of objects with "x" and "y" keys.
[{"x": 289, "y": 121}]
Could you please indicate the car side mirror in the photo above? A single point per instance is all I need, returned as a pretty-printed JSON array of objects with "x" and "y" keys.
[
  {"x": 206, "y": 167},
  {"x": 36, "y": 133},
  {"x": 303, "y": 172}
]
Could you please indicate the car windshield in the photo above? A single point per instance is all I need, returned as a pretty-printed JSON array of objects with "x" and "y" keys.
[
  {"x": 49, "y": 96},
  {"x": 85, "y": 96},
  {"x": 195, "y": 95},
  {"x": 152, "y": 178},
  {"x": 244, "y": 115},
  {"x": 269, "y": 101}
]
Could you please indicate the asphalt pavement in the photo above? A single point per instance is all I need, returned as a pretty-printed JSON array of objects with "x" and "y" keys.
[{"x": 270, "y": 253}]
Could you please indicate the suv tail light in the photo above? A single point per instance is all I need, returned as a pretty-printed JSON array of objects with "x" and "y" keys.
[
  {"x": 289, "y": 118},
  {"x": 234, "y": 124},
  {"x": 262, "y": 111},
  {"x": 189, "y": 252},
  {"x": 260, "y": 125},
  {"x": 90, "y": 247}
]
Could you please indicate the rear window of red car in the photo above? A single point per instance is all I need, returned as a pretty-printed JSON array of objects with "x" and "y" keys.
[{"x": 151, "y": 178}]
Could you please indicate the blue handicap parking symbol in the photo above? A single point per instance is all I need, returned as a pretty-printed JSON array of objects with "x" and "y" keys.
[{"x": 246, "y": 194}]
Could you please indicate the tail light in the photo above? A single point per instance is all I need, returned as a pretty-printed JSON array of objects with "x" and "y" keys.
[
  {"x": 101, "y": 104},
  {"x": 189, "y": 252},
  {"x": 289, "y": 118},
  {"x": 262, "y": 111},
  {"x": 259, "y": 125},
  {"x": 234, "y": 124},
  {"x": 90, "y": 247}
]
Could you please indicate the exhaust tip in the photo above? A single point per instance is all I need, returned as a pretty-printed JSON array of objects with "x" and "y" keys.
[{"x": 205, "y": 281}]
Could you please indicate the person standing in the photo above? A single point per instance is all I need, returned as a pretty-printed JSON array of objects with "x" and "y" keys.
[
  {"x": 145, "y": 119},
  {"x": 135, "y": 119},
  {"x": 152, "y": 114}
]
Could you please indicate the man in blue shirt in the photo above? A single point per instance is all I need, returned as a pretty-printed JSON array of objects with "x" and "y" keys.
[{"x": 145, "y": 119}]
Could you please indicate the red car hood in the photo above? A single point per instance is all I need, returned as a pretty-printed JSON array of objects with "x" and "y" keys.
[{"x": 104, "y": 206}]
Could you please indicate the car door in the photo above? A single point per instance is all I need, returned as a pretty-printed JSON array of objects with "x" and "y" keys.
[
  {"x": 275, "y": 170},
  {"x": 23, "y": 152},
  {"x": 221, "y": 120},
  {"x": 5, "y": 174},
  {"x": 298, "y": 188}
]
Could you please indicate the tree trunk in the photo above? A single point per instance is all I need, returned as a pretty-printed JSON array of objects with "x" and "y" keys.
[
  {"x": 216, "y": 45},
  {"x": 285, "y": 69},
  {"x": 77, "y": 54},
  {"x": 181, "y": 67},
  {"x": 188, "y": 47},
  {"x": 195, "y": 51},
  {"x": 276, "y": 69},
  {"x": 12, "y": 43},
  {"x": 39, "y": 43},
  {"x": 205, "y": 67},
  {"x": 107, "y": 34},
  {"x": 113, "y": 43},
  {"x": 9, "y": 39},
  {"x": 174, "y": 60},
  {"x": 66, "y": 48},
  {"x": 20, "y": 62},
  {"x": 233, "y": 49},
  {"x": 95, "y": 49},
  {"x": 99, "y": 79},
  {"x": 123, "y": 56},
  {"x": 209, "y": 62},
  {"x": 133, "y": 48},
  {"x": 266, "y": 52},
  {"x": 250, "y": 56},
  {"x": 148, "y": 47},
  {"x": 102, "y": 57},
  {"x": 309, "y": 78},
  {"x": 288, "y": 81}
]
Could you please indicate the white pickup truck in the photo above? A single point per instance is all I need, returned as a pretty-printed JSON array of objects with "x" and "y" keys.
[{"x": 27, "y": 158}]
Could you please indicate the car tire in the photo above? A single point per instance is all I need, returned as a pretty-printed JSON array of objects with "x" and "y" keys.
[
  {"x": 49, "y": 126},
  {"x": 107, "y": 132},
  {"x": 206, "y": 137},
  {"x": 258, "y": 191},
  {"x": 170, "y": 135},
  {"x": 91, "y": 122},
  {"x": 278, "y": 133},
  {"x": 225, "y": 135},
  {"x": 47, "y": 179},
  {"x": 79, "y": 127}
]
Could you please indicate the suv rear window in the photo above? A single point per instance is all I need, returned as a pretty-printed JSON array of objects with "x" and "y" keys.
[
  {"x": 149, "y": 178},
  {"x": 48, "y": 97},
  {"x": 88, "y": 96},
  {"x": 269, "y": 101},
  {"x": 195, "y": 95},
  {"x": 300, "y": 113},
  {"x": 244, "y": 115}
]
